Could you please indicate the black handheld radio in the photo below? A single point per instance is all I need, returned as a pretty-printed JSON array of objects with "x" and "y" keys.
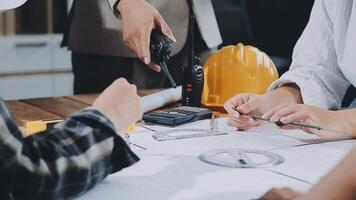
[
  {"x": 193, "y": 74},
  {"x": 193, "y": 82},
  {"x": 160, "y": 51}
]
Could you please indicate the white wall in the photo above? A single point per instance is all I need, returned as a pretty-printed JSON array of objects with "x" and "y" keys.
[{"x": 34, "y": 66}]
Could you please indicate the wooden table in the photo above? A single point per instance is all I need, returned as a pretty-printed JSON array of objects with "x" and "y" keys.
[{"x": 53, "y": 108}]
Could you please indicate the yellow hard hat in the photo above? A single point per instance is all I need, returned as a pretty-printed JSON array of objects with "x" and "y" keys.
[{"x": 236, "y": 69}]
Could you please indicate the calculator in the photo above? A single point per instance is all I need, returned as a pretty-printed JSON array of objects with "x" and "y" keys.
[{"x": 177, "y": 116}]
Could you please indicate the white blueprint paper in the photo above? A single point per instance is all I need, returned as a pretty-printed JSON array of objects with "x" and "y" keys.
[
  {"x": 171, "y": 170},
  {"x": 187, "y": 178},
  {"x": 309, "y": 163}
]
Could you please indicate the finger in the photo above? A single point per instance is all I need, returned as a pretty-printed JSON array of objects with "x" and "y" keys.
[
  {"x": 234, "y": 114},
  {"x": 230, "y": 107},
  {"x": 232, "y": 123},
  {"x": 120, "y": 81},
  {"x": 270, "y": 112},
  {"x": 288, "y": 126},
  {"x": 291, "y": 127},
  {"x": 245, "y": 128},
  {"x": 139, "y": 43},
  {"x": 161, "y": 23},
  {"x": 238, "y": 122},
  {"x": 237, "y": 100},
  {"x": 239, "y": 125},
  {"x": 283, "y": 112},
  {"x": 154, "y": 66},
  {"x": 145, "y": 45},
  {"x": 134, "y": 87},
  {"x": 244, "y": 124},
  {"x": 248, "y": 107},
  {"x": 232, "y": 103},
  {"x": 139, "y": 51},
  {"x": 123, "y": 80},
  {"x": 301, "y": 115},
  {"x": 242, "y": 119}
]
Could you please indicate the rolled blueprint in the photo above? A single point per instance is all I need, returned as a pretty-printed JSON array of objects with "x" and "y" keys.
[{"x": 160, "y": 99}]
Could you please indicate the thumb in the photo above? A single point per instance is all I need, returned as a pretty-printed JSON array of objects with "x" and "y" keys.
[
  {"x": 166, "y": 30},
  {"x": 248, "y": 107}
]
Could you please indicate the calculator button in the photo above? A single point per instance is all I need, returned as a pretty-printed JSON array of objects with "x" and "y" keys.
[
  {"x": 187, "y": 112},
  {"x": 164, "y": 115},
  {"x": 174, "y": 113}
]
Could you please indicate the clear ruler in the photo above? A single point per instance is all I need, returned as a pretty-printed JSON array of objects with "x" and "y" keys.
[{"x": 178, "y": 134}]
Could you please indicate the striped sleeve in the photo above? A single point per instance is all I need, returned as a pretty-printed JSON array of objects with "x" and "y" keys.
[{"x": 63, "y": 163}]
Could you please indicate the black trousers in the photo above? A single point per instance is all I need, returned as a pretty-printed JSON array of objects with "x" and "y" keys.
[{"x": 94, "y": 73}]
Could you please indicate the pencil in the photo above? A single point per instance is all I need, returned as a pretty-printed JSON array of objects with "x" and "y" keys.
[{"x": 212, "y": 122}]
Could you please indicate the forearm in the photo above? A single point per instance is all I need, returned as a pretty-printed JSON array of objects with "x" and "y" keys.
[
  {"x": 119, "y": 6},
  {"x": 126, "y": 5},
  {"x": 286, "y": 94},
  {"x": 347, "y": 121},
  {"x": 339, "y": 184}
]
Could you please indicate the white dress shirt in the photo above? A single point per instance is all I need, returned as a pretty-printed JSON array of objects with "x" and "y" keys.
[
  {"x": 7, "y": 5},
  {"x": 324, "y": 59}
]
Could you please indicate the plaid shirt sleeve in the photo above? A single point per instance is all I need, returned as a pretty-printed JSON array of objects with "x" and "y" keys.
[{"x": 62, "y": 163}]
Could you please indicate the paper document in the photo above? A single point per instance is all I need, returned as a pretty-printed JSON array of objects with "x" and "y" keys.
[
  {"x": 308, "y": 163},
  {"x": 187, "y": 178},
  {"x": 171, "y": 170},
  {"x": 265, "y": 137}
]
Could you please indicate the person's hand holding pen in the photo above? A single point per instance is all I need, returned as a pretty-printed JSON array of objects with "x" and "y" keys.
[
  {"x": 139, "y": 18},
  {"x": 253, "y": 104},
  {"x": 246, "y": 104},
  {"x": 335, "y": 124},
  {"x": 249, "y": 110}
]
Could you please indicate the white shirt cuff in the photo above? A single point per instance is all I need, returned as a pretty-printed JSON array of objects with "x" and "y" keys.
[{"x": 112, "y": 4}]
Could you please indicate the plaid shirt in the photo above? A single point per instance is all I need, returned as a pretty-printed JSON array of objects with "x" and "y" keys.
[{"x": 62, "y": 163}]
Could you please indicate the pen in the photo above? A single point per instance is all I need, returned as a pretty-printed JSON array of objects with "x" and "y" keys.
[{"x": 279, "y": 123}]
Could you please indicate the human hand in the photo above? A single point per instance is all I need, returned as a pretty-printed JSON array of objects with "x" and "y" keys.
[
  {"x": 244, "y": 104},
  {"x": 310, "y": 115},
  {"x": 139, "y": 18},
  {"x": 281, "y": 194},
  {"x": 120, "y": 103}
]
